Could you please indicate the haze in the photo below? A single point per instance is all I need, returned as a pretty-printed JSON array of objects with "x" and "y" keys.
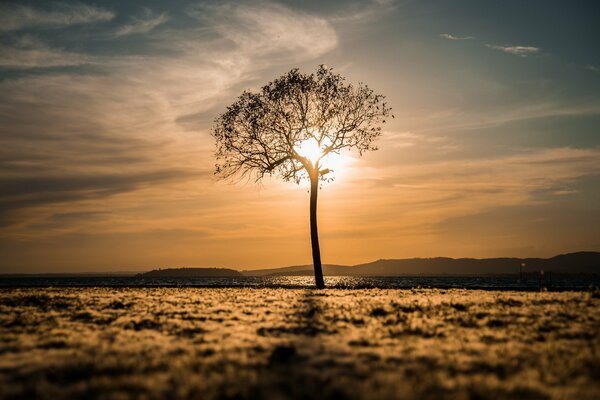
[{"x": 107, "y": 162}]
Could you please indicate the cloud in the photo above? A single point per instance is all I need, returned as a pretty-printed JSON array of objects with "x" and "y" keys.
[
  {"x": 116, "y": 136},
  {"x": 362, "y": 12},
  {"x": 456, "y": 120},
  {"x": 29, "y": 52},
  {"x": 522, "y": 51},
  {"x": 24, "y": 192},
  {"x": 416, "y": 197},
  {"x": 593, "y": 68},
  {"x": 385, "y": 3},
  {"x": 271, "y": 29},
  {"x": 16, "y": 17},
  {"x": 452, "y": 37},
  {"x": 144, "y": 24},
  {"x": 411, "y": 139}
]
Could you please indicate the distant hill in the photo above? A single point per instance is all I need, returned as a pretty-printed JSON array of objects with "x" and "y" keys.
[
  {"x": 584, "y": 262},
  {"x": 580, "y": 263},
  {"x": 190, "y": 273}
]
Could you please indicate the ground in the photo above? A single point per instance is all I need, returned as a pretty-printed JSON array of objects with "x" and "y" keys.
[{"x": 238, "y": 343}]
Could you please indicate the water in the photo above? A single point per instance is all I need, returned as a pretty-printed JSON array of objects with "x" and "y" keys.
[{"x": 503, "y": 282}]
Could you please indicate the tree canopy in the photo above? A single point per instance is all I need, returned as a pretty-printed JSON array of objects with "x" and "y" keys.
[{"x": 261, "y": 133}]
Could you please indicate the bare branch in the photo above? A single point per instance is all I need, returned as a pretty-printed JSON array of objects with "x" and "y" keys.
[{"x": 259, "y": 133}]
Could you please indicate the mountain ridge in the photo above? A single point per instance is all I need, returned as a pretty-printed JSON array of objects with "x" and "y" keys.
[{"x": 583, "y": 262}]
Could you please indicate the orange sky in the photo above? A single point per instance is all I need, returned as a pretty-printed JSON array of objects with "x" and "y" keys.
[{"x": 108, "y": 162}]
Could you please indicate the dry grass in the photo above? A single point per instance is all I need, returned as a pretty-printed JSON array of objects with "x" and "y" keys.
[{"x": 281, "y": 343}]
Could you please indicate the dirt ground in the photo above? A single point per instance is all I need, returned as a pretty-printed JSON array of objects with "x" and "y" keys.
[{"x": 243, "y": 343}]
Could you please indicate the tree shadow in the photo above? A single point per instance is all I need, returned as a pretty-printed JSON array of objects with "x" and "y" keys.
[{"x": 296, "y": 366}]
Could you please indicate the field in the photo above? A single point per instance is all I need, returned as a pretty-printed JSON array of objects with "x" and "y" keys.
[{"x": 293, "y": 343}]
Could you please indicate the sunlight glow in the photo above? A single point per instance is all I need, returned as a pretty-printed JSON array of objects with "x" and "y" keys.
[
  {"x": 309, "y": 149},
  {"x": 337, "y": 163},
  {"x": 333, "y": 161}
]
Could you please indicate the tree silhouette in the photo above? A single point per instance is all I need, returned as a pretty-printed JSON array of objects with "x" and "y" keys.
[{"x": 266, "y": 132}]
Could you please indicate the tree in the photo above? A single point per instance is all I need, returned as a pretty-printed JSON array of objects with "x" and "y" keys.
[{"x": 290, "y": 126}]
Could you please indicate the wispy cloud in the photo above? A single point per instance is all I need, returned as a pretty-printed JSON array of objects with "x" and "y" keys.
[
  {"x": 453, "y": 37},
  {"x": 363, "y": 12},
  {"x": 459, "y": 187},
  {"x": 271, "y": 29},
  {"x": 385, "y": 3},
  {"x": 18, "y": 193},
  {"x": 120, "y": 130},
  {"x": 16, "y": 17},
  {"x": 514, "y": 113},
  {"x": 30, "y": 52},
  {"x": 522, "y": 51},
  {"x": 143, "y": 24},
  {"x": 412, "y": 139},
  {"x": 593, "y": 68}
]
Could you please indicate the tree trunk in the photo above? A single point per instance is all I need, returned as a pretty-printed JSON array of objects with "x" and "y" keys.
[{"x": 314, "y": 233}]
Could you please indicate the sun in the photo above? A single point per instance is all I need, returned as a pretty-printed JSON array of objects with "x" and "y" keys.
[
  {"x": 335, "y": 162},
  {"x": 310, "y": 149}
]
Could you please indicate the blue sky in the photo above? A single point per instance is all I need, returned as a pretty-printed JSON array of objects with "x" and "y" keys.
[{"x": 106, "y": 109}]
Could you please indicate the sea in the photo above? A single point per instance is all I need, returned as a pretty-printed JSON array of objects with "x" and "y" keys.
[{"x": 491, "y": 282}]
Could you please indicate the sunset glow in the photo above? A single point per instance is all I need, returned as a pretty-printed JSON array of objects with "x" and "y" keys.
[
  {"x": 336, "y": 163},
  {"x": 108, "y": 161},
  {"x": 310, "y": 149}
]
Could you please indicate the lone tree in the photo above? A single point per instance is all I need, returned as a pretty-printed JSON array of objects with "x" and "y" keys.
[{"x": 291, "y": 125}]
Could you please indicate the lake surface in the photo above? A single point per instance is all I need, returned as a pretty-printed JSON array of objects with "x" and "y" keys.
[{"x": 504, "y": 282}]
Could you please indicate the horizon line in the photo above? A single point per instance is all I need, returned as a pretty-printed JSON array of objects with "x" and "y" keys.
[{"x": 239, "y": 269}]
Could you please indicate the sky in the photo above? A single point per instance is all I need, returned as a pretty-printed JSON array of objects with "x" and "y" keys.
[{"x": 108, "y": 164}]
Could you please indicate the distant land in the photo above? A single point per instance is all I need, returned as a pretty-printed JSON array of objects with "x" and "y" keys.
[{"x": 584, "y": 262}]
